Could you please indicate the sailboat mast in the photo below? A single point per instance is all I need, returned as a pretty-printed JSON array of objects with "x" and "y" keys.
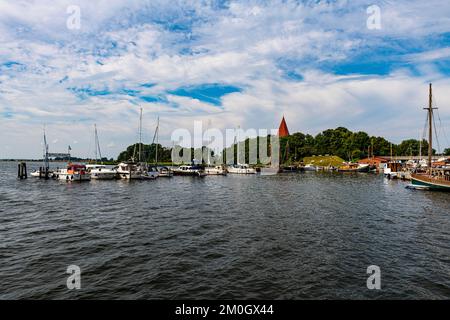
[
  {"x": 140, "y": 137},
  {"x": 46, "y": 165},
  {"x": 95, "y": 143},
  {"x": 157, "y": 141},
  {"x": 430, "y": 128},
  {"x": 97, "y": 146},
  {"x": 237, "y": 141}
]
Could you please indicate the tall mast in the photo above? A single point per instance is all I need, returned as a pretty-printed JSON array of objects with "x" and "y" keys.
[
  {"x": 237, "y": 141},
  {"x": 208, "y": 142},
  {"x": 95, "y": 142},
  {"x": 430, "y": 127},
  {"x": 157, "y": 141},
  {"x": 97, "y": 146},
  {"x": 140, "y": 137},
  {"x": 45, "y": 151},
  {"x": 420, "y": 147}
]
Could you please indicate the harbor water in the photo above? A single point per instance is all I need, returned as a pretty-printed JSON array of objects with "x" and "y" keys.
[{"x": 290, "y": 236}]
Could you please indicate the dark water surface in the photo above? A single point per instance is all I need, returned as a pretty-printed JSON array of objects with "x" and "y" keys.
[{"x": 291, "y": 236}]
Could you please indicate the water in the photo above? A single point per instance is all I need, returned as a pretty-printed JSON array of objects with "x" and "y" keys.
[{"x": 291, "y": 236}]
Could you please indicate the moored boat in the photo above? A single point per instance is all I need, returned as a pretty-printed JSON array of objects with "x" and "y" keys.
[
  {"x": 354, "y": 167},
  {"x": 73, "y": 172},
  {"x": 152, "y": 172},
  {"x": 165, "y": 172},
  {"x": 217, "y": 170},
  {"x": 437, "y": 178},
  {"x": 240, "y": 169},
  {"x": 132, "y": 171},
  {"x": 101, "y": 172},
  {"x": 189, "y": 170},
  {"x": 44, "y": 171}
]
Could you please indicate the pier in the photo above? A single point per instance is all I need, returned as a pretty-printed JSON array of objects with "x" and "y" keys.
[{"x": 406, "y": 158}]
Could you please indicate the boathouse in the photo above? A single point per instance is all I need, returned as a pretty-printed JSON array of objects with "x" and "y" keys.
[{"x": 377, "y": 161}]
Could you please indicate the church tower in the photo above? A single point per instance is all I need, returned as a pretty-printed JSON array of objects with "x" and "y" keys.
[{"x": 283, "y": 130}]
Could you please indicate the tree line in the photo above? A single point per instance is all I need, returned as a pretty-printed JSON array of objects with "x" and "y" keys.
[{"x": 340, "y": 142}]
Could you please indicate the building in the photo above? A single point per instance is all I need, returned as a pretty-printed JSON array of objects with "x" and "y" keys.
[
  {"x": 374, "y": 161},
  {"x": 283, "y": 130}
]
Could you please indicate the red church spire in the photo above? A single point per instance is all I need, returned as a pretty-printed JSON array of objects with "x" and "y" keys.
[{"x": 283, "y": 130}]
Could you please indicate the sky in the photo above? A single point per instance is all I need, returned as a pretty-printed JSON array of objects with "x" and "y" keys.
[{"x": 321, "y": 64}]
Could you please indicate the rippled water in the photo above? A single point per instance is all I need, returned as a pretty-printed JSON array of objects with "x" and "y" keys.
[{"x": 291, "y": 236}]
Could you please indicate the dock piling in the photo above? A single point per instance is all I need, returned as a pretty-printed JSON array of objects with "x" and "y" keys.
[{"x": 22, "y": 170}]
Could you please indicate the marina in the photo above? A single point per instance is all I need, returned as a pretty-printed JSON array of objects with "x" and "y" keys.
[{"x": 431, "y": 174}]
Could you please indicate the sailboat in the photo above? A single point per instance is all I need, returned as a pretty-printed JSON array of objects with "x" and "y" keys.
[
  {"x": 160, "y": 171},
  {"x": 240, "y": 168},
  {"x": 437, "y": 178},
  {"x": 210, "y": 169},
  {"x": 44, "y": 171},
  {"x": 99, "y": 171},
  {"x": 132, "y": 170}
]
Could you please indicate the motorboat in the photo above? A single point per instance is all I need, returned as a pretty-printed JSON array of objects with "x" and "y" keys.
[
  {"x": 189, "y": 170},
  {"x": 355, "y": 167},
  {"x": 165, "y": 172},
  {"x": 101, "y": 172},
  {"x": 41, "y": 172},
  {"x": 240, "y": 169},
  {"x": 73, "y": 172},
  {"x": 216, "y": 170},
  {"x": 152, "y": 172},
  {"x": 132, "y": 171}
]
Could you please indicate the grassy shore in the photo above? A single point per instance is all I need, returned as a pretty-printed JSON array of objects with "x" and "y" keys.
[{"x": 324, "y": 161}]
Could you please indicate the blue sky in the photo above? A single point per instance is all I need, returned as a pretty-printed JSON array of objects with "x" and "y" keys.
[{"x": 226, "y": 63}]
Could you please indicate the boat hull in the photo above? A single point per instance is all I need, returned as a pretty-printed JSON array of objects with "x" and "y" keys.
[
  {"x": 73, "y": 177},
  {"x": 103, "y": 175},
  {"x": 430, "y": 183},
  {"x": 215, "y": 172},
  {"x": 189, "y": 173},
  {"x": 241, "y": 170}
]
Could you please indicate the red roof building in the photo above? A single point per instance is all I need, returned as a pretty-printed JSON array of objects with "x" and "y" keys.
[
  {"x": 283, "y": 130},
  {"x": 374, "y": 161}
]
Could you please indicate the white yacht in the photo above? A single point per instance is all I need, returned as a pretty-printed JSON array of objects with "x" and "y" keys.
[
  {"x": 189, "y": 170},
  {"x": 165, "y": 172},
  {"x": 73, "y": 172},
  {"x": 133, "y": 171},
  {"x": 217, "y": 170},
  {"x": 152, "y": 172},
  {"x": 241, "y": 169},
  {"x": 140, "y": 170},
  {"x": 101, "y": 172}
]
